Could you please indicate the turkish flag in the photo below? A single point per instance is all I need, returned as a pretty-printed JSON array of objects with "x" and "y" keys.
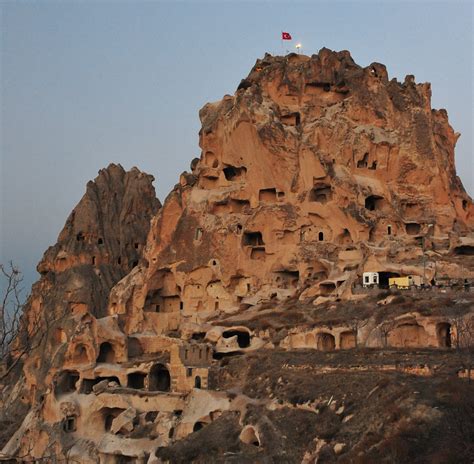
[{"x": 285, "y": 36}]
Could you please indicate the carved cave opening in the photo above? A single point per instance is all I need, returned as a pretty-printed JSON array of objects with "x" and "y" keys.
[
  {"x": 443, "y": 332},
  {"x": 464, "y": 250},
  {"x": 243, "y": 337},
  {"x": 374, "y": 202},
  {"x": 325, "y": 342},
  {"x": 232, "y": 173},
  {"x": 252, "y": 239},
  {"x": 320, "y": 193},
  {"x": 412, "y": 228},
  {"x": 136, "y": 380},
  {"x": 197, "y": 382},
  {"x": 66, "y": 382},
  {"x": 159, "y": 378},
  {"x": 106, "y": 353}
]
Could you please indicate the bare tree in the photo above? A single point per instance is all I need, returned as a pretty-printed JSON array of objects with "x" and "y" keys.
[
  {"x": 20, "y": 333},
  {"x": 356, "y": 324},
  {"x": 385, "y": 328},
  {"x": 463, "y": 341},
  {"x": 11, "y": 309}
]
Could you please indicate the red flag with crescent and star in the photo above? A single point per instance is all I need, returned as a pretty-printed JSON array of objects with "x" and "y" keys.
[{"x": 285, "y": 36}]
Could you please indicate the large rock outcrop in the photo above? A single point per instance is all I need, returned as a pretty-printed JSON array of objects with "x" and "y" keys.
[
  {"x": 102, "y": 240},
  {"x": 315, "y": 171}
]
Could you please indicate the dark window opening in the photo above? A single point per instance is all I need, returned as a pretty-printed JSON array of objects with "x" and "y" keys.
[
  {"x": 198, "y": 426},
  {"x": 362, "y": 163},
  {"x": 243, "y": 337},
  {"x": 320, "y": 193},
  {"x": 66, "y": 382},
  {"x": 374, "y": 202},
  {"x": 109, "y": 418},
  {"x": 87, "y": 385},
  {"x": 189, "y": 371},
  {"x": 136, "y": 380},
  {"x": 136, "y": 245},
  {"x": 100, "y": 241},
  {"x": 253, "y": 239},
  {"x": 197, "y": 382},
  {"x": 389, "y": 230},
  {"x": 321, "y": 236},
  {"x": 464, "y": 250},
  {"x": 181, "y": 305},
  {"x": 198, "y": 336},
  {"x": 326, "y": 288},
  {"x": 171, "y": 432},
  {"x": 80, "y": 237},
  {"x": 443, "y": 331},
  {"x": 119, "y": 260},
  {"x": 134, "y": 263},
  {"x": 150, "y": 416},
  {"x": 312, "y": 87},
  {"x": 464, "y": 205},
  {"x": 106, "y": 353},
  {"x": 326, "y": 342},
  {"x": 157, "y": 308},
  {"x": 69, "y": 424},
  {"x": 93, "y": 260},
  {"x": 373, "y": 165},
  {"x": 412, "y": 228},
  {"x": 198, "y": 234},
  {"x": 232, "y": 173},
  {"x": 159, "y": 378},
  {"x": 292, "y": 119},
  {"x": 239, "y": 228}
]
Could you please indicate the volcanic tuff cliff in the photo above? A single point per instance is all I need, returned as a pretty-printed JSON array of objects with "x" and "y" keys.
[{"x": 316, "y": 171}]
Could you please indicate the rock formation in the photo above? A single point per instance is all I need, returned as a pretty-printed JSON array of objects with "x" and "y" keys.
[{"x": 316, "y": 171}]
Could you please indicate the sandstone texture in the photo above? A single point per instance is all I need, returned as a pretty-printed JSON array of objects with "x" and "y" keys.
[{"x": 232, "y": 324}]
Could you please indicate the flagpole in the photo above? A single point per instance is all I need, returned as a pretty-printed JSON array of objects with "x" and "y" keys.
[{"x": 281, "y": 40}]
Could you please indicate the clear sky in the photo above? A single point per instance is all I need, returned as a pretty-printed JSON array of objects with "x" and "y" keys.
[{"x": 86, "y": 83}]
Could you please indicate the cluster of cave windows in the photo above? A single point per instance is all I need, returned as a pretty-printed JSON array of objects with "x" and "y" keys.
[
  {"x": 270, "y": 195},
  {"x": 159, "y": 379}
]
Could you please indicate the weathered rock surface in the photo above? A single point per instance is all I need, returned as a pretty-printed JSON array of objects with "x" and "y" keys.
[{"x": 316, "y": 171}]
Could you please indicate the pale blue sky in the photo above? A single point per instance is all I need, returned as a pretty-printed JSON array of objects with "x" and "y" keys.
[{"x": 87, "y": 83}]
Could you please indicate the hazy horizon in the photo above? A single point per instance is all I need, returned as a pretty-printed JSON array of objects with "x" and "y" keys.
[{"x": 85, "y": 84}]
